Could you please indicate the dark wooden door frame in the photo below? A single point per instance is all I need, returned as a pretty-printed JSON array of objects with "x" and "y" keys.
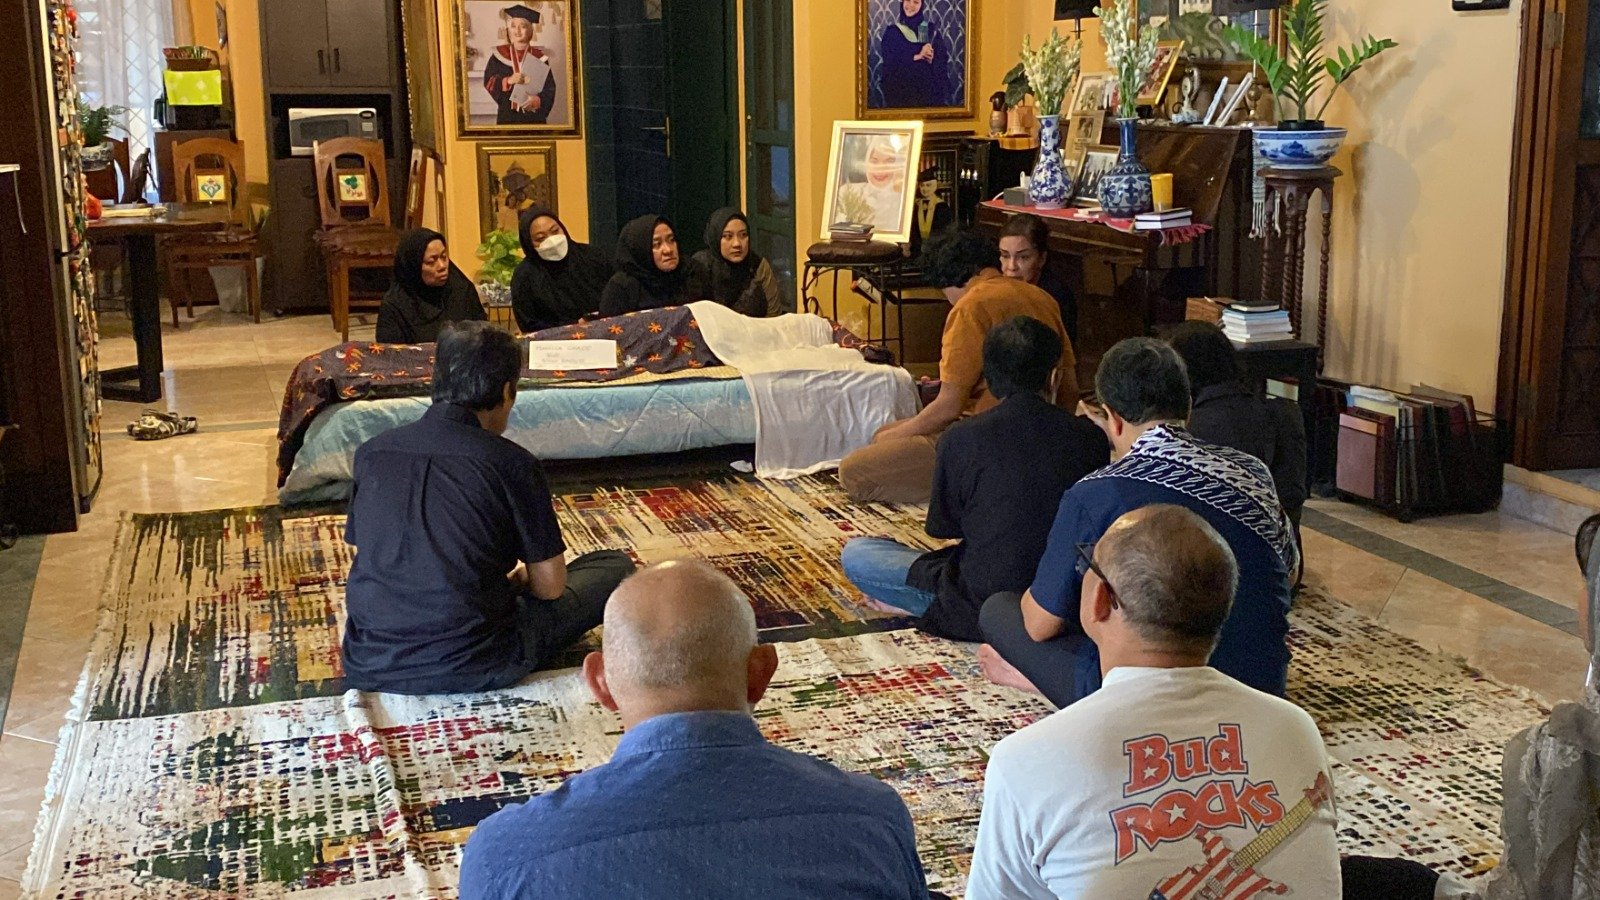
[{"x": 1545, "y": 160}]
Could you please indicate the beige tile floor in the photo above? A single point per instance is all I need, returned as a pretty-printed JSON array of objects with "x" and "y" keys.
[{"x": 230, "y": 373}]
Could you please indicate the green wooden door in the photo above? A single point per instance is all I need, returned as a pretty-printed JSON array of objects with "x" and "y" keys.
[{"x": 769, "y": 134}]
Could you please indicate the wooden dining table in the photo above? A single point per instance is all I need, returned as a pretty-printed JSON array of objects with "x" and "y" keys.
[{"x": 141, "y": 383}]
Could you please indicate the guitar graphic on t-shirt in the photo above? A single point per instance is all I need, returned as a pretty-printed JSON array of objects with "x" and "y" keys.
[{"x": 1226, "y": 875}]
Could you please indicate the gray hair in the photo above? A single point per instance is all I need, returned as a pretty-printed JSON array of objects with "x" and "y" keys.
[
  {"x": 1173, "y": 575},
  {"x": 678, "y": 626}
]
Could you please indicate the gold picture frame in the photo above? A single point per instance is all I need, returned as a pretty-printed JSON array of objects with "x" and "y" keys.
[
  {"x": 1160, "y": 73},
  {"x": 872, "y": 177},
  {"x": 875, "y": 19},
  {"x": 484, "y": 59},
  {"x": 1099, "y": 160},
  {"x": 419, "y": 24},
  {"x": 1092, "y": 93},
  {"x": 531, "y": 170}
]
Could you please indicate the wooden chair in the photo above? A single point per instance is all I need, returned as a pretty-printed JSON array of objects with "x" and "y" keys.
[
  {"x": 106, "y": 256},
  {"x": 353, "y": 199},
  {"x": 211, "y": 170},
  {"x": 108, "y": 184}
]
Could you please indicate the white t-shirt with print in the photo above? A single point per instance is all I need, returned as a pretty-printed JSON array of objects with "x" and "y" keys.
[{"x": 1151, "y": 787}]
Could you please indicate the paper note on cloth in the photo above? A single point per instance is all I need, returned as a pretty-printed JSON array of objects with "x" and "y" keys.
[
  {"x": 567, "y": 356},
  {"x": 814, "y": 400}
]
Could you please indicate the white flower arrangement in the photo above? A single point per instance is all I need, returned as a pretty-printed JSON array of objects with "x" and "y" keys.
[
  {"x": 1130, "y": 50},
  {"x": 1051, "y": 70}
]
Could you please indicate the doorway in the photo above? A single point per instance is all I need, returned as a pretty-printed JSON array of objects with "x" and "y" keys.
[
  {"x": 661, "y": 79},
  {"x": 1549, "y": 385}
]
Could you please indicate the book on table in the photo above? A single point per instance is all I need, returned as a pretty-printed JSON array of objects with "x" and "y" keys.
[{"x": 1156, "y": 221}]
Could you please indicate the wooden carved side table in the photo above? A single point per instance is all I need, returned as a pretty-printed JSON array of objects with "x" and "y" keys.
[{"x": 1283, "y": 264}]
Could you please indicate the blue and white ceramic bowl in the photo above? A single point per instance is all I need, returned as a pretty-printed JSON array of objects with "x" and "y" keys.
[{"x": 1299, "y": 149}]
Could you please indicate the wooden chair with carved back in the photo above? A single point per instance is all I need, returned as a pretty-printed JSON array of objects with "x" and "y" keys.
[
  {"x": 356, "y": 233},
  {"x": 212, "y": 170}
]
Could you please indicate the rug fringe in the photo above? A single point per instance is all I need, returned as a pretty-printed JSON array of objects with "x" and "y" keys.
[{"x": 46, "y": 829}]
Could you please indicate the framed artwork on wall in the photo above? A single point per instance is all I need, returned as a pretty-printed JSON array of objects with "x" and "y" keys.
[
  {"x": 872, "y": 177},
  {"x": 511, "y": 178},
  {"x": 916, "y": 59},
  {"x": 516, "y": 67},
  {"x": 424, "y": 99}
]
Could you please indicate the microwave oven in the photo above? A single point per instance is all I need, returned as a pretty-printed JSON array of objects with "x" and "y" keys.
[{"x": 307, "y": 125}]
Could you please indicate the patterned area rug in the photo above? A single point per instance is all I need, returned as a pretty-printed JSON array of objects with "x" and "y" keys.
[
  {"x": 186, "y": 779},
  {"x": 245, "y": 606}
]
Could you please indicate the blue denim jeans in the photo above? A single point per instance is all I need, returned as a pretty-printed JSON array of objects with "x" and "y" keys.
[{"x": 878, "y": 567}]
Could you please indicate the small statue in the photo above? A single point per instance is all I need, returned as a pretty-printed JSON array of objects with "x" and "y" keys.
[
  {"x": 997, "y": 114},
  {"x": 1187, "y": 90}
]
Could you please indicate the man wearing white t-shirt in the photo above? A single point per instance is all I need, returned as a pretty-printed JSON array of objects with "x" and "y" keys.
[{"x": 1173, "y": 780}]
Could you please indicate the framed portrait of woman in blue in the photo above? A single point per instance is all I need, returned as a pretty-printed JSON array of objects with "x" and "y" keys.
[{"x": 916, "y": 59}]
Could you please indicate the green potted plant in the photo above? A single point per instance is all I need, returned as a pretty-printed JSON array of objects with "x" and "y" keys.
[
  {"x": 499, "y": 254},
  {"x": 1048, "y": 73},
  {"x": 97, "y": 122},
  {"x": 1131, "y": 52},
  {"x": 1301, "y": 138}
]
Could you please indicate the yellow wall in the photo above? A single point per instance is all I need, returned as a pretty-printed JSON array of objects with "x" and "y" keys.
[
  {"x": 1421, "y": 215},
  {"x": 243, "y": 59}
]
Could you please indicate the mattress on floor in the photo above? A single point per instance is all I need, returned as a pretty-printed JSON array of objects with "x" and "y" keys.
[{"x": 552, "y": 423}]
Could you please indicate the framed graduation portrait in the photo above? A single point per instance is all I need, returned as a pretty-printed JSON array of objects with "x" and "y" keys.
[
  {"x": 872, "y": 178},
  {"x": 916, "y": 59},
  {"x": 511, "y": 178},
  {"x": 516, "y": 67}
]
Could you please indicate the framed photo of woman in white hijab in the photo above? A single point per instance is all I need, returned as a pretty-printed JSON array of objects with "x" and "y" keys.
[
  {"x": 872, "y": 178},
  {"x": 516, "y": 67}
]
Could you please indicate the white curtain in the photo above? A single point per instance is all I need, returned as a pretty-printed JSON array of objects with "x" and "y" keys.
[{"x": 120, "y": 61}]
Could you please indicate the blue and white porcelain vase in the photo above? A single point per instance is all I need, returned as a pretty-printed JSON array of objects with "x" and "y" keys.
[
  {"x": 1125, "y": 190},
  {"x": 1050, "y": 188}
]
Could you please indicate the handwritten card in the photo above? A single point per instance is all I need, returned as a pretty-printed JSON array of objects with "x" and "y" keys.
[{"x": 567, "y": 356}]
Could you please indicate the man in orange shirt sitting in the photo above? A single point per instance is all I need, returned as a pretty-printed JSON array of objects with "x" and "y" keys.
[{"x": 897, "y": 467}]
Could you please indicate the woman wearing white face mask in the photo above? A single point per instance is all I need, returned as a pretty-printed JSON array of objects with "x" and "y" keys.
[{"x": 559, "y": 280}]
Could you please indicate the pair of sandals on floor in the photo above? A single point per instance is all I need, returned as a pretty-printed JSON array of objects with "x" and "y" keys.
[{"x": 155, "y": 425}]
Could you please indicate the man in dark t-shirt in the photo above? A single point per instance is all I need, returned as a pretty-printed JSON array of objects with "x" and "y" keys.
[
  {"x": 998, "y": 478},
  {"x": 460, "y": 581}
]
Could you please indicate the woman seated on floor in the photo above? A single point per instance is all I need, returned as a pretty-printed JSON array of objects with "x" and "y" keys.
[
  {"x": 559, "y": 280},
  {"x": 737, "y": 276},
  {"x": 650, "y": 274},
  {"x": 428, "y": 292},
  {"x": 1025, "y": 256}
]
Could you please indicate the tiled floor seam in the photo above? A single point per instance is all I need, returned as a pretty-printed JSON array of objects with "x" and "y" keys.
[{"x": 1507, "y": 596}]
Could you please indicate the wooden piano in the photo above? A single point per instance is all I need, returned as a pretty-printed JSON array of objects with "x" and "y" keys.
[{"x": 1128, "y": 284}]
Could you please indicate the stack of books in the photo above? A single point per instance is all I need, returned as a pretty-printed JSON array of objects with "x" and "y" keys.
[
  {"x": 849, "y": 233},
  {"x": 1171, "y": 218},
  {"x": 1256, "y": 323}
]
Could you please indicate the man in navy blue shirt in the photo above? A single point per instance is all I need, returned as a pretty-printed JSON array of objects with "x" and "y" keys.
[
  {"x": 997, "y": 481},
  {"x": 460, "y": 581},
  {"x": 1034, "y": 640},
  {"x": 695, "y": 802}
]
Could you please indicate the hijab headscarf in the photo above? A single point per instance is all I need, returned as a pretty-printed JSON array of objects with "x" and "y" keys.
[
  {"x": 546, "y": 294},
  {"x": 638, "y": 284},
  {"x": 413, "y": 311},
  {"x": 728, "y": 280}
]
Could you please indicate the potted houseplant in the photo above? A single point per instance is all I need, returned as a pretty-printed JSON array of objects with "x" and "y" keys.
[
  {"x": 1131, "y": 52},
  {"x": 1049, "y": 71},
  {"x": 1302, "y": 139},
  {"x": 500, "y": 253},
  {"x": 97, "y": 122}
]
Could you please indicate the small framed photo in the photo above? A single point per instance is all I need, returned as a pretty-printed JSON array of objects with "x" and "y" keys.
[
  {"x": 916, "y": 59},
  {"x": 513, "y": 177},
  {"x": 1155, "y": 80},
  {"x": 1093, "y": 93},
  {"x": 516, "y": 67},
  {"x": 1099, "y": 160},
  {"x": 1083, "y": 130},
  {"x": 872, "y": 177}
]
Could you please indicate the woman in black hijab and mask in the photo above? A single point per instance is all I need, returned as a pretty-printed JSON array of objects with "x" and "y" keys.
[
  {"x": 428, "y": 291},
  {"x": 650, "y": 274},
  {"x": 559, "y": 280},
  {"x": 737, "y": 276}
]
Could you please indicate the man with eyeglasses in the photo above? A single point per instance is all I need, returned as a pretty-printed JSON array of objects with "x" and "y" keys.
[
  {"x": 1173, "y": 780},
  {"x": 1033, "y": 640}
]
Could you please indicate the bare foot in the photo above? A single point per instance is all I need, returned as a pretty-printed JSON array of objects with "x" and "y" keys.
[
  {"x": 883, "y": 607},
  {"x": 996, "y": 669}
]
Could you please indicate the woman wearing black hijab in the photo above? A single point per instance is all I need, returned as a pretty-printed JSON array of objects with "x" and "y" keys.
[
  {"x": 649, "y": 273},
  {"x": 559, "y": 280},
  {"x": 737, "y": 276},
  {"x": 428, "y": 291}
]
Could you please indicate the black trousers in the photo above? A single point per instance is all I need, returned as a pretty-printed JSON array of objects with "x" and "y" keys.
[
  {"x": 550, "y": 626},
  {"x": 1065, "y": 669}
]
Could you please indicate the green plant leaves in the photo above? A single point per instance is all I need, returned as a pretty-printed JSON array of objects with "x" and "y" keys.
[{"x": 1298, "y": 76}]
